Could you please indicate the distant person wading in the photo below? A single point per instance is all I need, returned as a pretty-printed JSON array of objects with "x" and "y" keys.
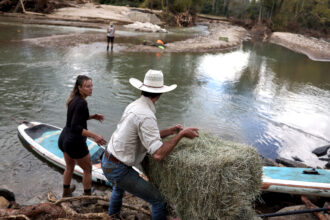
[{"x": 110, "y": 35}]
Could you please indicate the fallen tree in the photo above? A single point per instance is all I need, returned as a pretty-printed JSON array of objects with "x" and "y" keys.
[{"x": 32, "y": 6}]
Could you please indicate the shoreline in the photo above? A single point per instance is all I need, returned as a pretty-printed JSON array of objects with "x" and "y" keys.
[
  {"x": 222, "y": 35},
  {"x": 314, "y": 49}
]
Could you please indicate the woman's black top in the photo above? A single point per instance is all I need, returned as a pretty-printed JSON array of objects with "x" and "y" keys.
[{"x": 71, "y": 140}]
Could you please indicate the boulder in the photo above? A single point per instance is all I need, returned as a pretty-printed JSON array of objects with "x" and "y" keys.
[
  {"x": 269, "y": 162},
  {"x": 321, "y": 151},
  {"x": 290, "y": 163},
  {"x": 4, "y": 203},
  {"x": 144, "y": 17},
  {"x": 327, "y": 166},
  {"x": 146, "y": 27},
  {"x": 8, "y": 195}
]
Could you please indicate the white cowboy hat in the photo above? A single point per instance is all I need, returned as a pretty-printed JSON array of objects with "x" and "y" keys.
[{"x": 153, "y": 83}]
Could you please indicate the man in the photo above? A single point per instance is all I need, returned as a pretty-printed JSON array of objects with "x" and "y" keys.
[
  {"x": 110, "y": 35},
  {"x": 136, "y": 135}
]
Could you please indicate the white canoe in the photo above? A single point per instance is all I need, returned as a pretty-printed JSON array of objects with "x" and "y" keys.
[
  {"x": 42, "y": 139},
  {"x": 296, "y": 181}
]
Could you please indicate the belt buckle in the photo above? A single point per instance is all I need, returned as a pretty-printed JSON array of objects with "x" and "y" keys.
[{"x": 107, "y": 155}]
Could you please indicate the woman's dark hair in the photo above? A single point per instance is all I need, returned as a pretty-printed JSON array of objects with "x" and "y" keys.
[
  {"x": 149, "y": 94},
  {"x": 75, "y": 91}
]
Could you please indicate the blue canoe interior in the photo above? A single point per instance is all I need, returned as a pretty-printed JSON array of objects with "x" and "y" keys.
[
  {"x": 43, "y": 140},
  {"x": 298, "y": 174}
]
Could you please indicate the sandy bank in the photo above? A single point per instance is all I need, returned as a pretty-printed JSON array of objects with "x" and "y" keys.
[
  {"x": 314, "y": 48},
  {"x": 222, "y": 36},
  {"x": 105, "y": 14}
]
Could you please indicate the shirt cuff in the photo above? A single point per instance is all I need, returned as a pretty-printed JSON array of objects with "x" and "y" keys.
[{"x": 154, "y": 147}]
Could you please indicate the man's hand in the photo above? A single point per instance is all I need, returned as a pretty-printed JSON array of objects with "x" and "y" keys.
[
  {"x": 168, "y": 146},
  {"x": 190, "y": 132},
  {"x": 144, "y": 177},
  {"x": 177, "y": 128}
]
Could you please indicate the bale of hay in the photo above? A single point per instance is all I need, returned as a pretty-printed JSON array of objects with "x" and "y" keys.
[{"x": 209, "y": 178}]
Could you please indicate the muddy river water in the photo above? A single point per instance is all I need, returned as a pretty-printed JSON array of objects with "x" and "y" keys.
[{"x": 259, "y": 94}]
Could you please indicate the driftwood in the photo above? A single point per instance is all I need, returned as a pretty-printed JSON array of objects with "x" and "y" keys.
[
  {"x": 65, "y": 208},
  {"x": 28, "y": 12},
  {"x": 79, "y": 198},
  {"x": 72, "y": 213},
  {"x": 47, "y": 209},
  {"x": 310, "y": 205},
  {"x": 137, "y": 209},
  {"x": 16, "y": 217},
  {"x": 184, "y": 19},
  {"x": 70, "y": 199}
]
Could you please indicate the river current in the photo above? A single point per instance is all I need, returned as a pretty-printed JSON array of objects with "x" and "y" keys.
[{"x": 259, "y": 94}]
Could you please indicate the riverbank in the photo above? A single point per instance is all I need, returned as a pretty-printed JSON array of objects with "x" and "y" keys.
[
  {"x": 222, "y": 34},
  {"x": 315, "y": 49}
]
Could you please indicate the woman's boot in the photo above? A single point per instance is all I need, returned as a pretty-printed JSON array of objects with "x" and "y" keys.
[
  {"x": 67, "y": 190},
  {"x": 87, "y": 192}
]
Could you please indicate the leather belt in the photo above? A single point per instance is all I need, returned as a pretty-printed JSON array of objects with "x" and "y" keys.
[{"x": 111, "y": 157}]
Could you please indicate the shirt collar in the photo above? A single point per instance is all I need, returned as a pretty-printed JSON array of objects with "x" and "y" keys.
[{"x": 149, "y": 103}]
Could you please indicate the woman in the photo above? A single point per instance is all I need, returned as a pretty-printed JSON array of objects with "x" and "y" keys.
[{"x": 72, "y": 140}]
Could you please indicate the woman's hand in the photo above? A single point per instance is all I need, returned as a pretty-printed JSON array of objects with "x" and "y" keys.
[
  {"x": 99, "y": 140},
  {"x": 98, "y": 117}
]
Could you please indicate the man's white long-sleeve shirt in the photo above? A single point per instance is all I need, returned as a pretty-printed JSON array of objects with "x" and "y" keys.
[{"x": 137, "y": 133}]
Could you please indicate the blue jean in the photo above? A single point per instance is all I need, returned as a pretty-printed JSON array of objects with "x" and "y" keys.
[{"x": 125, "y": 178}]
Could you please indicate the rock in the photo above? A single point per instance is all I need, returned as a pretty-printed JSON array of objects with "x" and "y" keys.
[
  {"x": 146, "y": 27},
  {"x": 4, "y": 203},
  {"x": 324, "y": 159},
  {"x": 269, "y": 162},
  {"x": 321, "y": 151},
  {"x": 327, "y": 166},
  {"x": 297, "y": 159},
  {"x": 304, "y": 216},
  {"x": 144, "y": 17},
  {"x": 290, "y": 163},
  {"x": 7, "y": 195}
]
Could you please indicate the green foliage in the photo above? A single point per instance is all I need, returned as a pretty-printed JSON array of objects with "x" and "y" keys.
[{"x": 302, "y": 14}]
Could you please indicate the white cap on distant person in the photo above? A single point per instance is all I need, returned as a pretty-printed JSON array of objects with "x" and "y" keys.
[{"x": 153, "y": 82}]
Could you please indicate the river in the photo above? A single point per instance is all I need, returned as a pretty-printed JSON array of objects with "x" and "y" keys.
[{"x": 259, "y": 94}]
